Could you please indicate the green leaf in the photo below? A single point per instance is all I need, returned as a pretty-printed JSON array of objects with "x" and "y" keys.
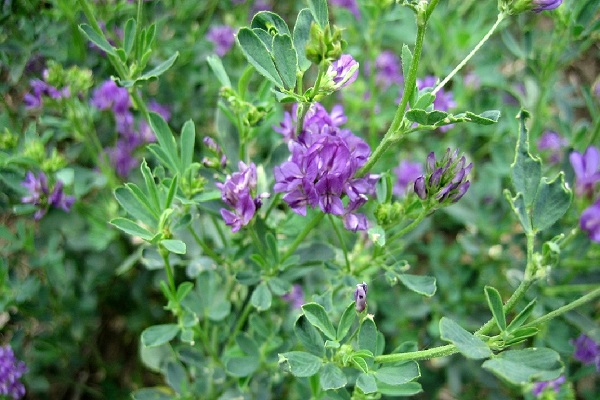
[
  {"x": 242, "y": 366},
  {"x": 285, "y": 59},
  {"x": 247, "y": 344},
  {"x": 423, "y": 117},
  {"x": 98, "y": 39},
  {"x": 316, "y": 315},
  {"x": 150, "y": 186},
  {"x": 496, "y": 306},
  {"x": 171, "y": 193},
  {"x": 398, "y": 374},
  {"x": 346, "y": 321},
  {"x": 279, "y": 287},
  {"x": 526, "y": 170},
  {"x": 176, "y": 376},
  {"x": 159, "y": 393},
  {"x": 131, "y": 228},
  {"x": 319, "y": 10},
  {"x": 360, "y": 363},
  {"x": 174, "y": 246},
  {"x": 551, "y": 202},
  {"x": 270, "y": 22},
  {"x": 518, "y": 206},
  {"x": 523, "y": 366},
  {"x": 159, "y": 69},
  {"x": 187, "y": 141},
  {"x": 366, "y": 383},
  {"x": 261, "y": 297},
  {"x": 521, "y": 317},
  {"x": 332, "y": 377},
  {"x": 301, "y": 36},
  {"x": 424, "y": 101},
  {"x": 129, "y": 35},
  {"x": 301, "y": 364},
  {"x": 469, "y": 345},
  {"x": 135, "y": 202},
  {"x": 216, "y": 65},
  {"x": 489, "y": 117},
  {"x": 183, "y": 290},
  {"x": 521, "y": 334},
  {"x": 377, "y": 235},
  {"x": 165, "y": 138},
  {"x": 406, "y": 390},
  {"x": 257, "y": 54},
  {"x": 159, "y": 334},
  {"x": 309, "y": 336},
  {"x": 367, "y": 336},
  {"x": 425, "y": 285}
]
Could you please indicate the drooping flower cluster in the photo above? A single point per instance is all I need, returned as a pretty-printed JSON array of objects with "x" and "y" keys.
[
  {"x": 587, "y": 350},
  {"x": 223, "y": 38},
  {"x": 554, "y": 143},
  {"x": 387, "y": 69},
  {"x": 40, "y": 196},
  {"x": 587, "y": 170},
  {"x": 444, "y": 180},
  {"x": 237, "y": 192},
  {"x": 109, "y": 96},
  {"x": 322, "y": 167},
  {"x": 407, "y": 172},
  {"x": 11, "y": 371},
  {"x": 554, "y": 384}
]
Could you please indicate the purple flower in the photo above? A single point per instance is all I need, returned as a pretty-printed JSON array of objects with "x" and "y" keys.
[
  {"x": 587, "y": 171},
  {"x": 109, "y": 95},
  {"x": 223, "y": 37},
  {"x": 11, "y": 370},
  {"x": 236, "y": 192},
  {"x": 320, "y": 170},
  {"x": 539, "y": 387},
  {"x": 587, "y": 350},
  {"x": 553, "y": 142},
  {"x": 39, "y": 195},
  {"x": 445, "y": 180},
  {"x": 360, "y": 296},
  {"x": 387, "y": 65},
  {"x": 472, "y": 81},
  {"x": 351, "y": 5},
  {"x": 40, "y": 88},
  {"x": 343, "y": 71},
  {"x": 544, "y": 5},
  {"x": 590, "y": 221},
  {"x": 218, "y": 158},
  {"x": 407, "y": 172},
  {"x": 295, "y": 297}
]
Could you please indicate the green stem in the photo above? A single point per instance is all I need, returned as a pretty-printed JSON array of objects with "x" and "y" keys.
[
  {"x": 240, "y": 322},
  {"x": 341, "y": 240},
  {"x": 440, "y": 351},
  {"x": 205, "y": 248},
  {"x": 165, "y": 256},
  {"x": 410, "y": 226},
  {"x": 314, "y": 222},
  {"x": 485, "y": 38},
  {"x": 561, "y": 310}
]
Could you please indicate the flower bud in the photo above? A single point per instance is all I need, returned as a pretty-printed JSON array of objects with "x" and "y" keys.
[{"x": 360, "y": 296}]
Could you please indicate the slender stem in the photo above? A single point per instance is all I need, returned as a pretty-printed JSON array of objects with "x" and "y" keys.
[
  {"x": 440, "y": 351},
  {"x": 314, "y": 222},
  {"x": 240, "y": 322},
  {"x": 341, "y": 240},
  {"x": 568, "y": 307},
  {"x": 165, "y": 256},
  {"x": 485, "y": 38},
  {"x": 205, "y": 248},
  {"x": 410, "y": 226}
]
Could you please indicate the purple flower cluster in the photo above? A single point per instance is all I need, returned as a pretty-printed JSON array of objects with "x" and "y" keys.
[
  {"x": 554, "y": 143},
  {"x": 237, "y": 193},
  {"x": 343, "y": 71},
  {"x": 40, "y": 89},
  {"x": 321, "y": 168},
  {"x": 350, "y": 5},
  {"x": 11, "y": 370},
  {"x": 587, "y": 170},
  {"x": 218, "y": 159},
  {"x": 444, "y": 180},
  {"x": 295, "y": 297},
  {"x": 223, "y": 37},
  {"x": 590, "y": 221},
  {"x": 587, "y": 350},
  {"x": 40, "y": 196},
  {"x": 387, "y": 67},
  {"x": 555, "y": 384},
  {"x": 544, "y": 5},
  {"x": 407, "y": 172},
  {"x": 109, "y": 96}
]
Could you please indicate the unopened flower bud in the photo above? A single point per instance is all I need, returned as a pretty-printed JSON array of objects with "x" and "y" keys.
[{"x": 360, "y": 296}]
